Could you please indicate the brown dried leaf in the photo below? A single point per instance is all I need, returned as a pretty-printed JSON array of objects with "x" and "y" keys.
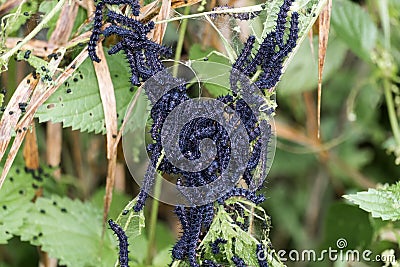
[
  {"x": 110, "y": 114},
  {"x": 159, "y": 30},
  {"x": 38, "y": 98},
  {"x": 31, "y": 151},
  {"x": 324, "y": 25},
  {"x": 149, "y": 11},
  {"x": 12, "y": 112},
  {"x": 65, "y": 23},
  {"x": 54, "y": 146},
  {"x": 180, "y": 3}
]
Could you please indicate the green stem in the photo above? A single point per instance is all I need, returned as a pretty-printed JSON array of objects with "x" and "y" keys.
[
  {"x": 179, "y": 45},
  {"x": 175, "y": 263},
  {"x": 154, "y": 214},
  {"x": 391, "y": 111},
  {"x": 4, "y": 58}
]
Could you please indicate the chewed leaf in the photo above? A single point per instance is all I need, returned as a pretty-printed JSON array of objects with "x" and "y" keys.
[
  {"x": 63, "y": 227},
  {"x": 77, "y": 102},
  {"x": 132, "y": 223},
  {"x": 238, "y": 241},
  {"x": 383, "y": 202}
]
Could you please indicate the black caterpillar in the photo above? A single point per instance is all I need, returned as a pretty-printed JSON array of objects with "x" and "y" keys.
[
  {"x": 123, "y": 243},
  {"x": 144, "y": 58}
]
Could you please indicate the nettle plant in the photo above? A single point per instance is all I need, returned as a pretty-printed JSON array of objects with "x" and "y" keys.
[{"x": 77, "y": 82}]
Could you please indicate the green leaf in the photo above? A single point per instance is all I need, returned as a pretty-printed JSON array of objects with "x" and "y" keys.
[
  {"x": 383, "y": 202},
  {"x": 239, "y": 242},
  {"x": 355, "y": 27},
  {"x": 163, "y": 258},
  {"x": 118, "y": 202},
  {"x": 133, "y": 223},
  {"x": 209, "y": 71},
  {"x": 214, "y": 76},
  {"x": 302, "y": 72},
  {"x": 77, "y": 103},
  {"x": 341, "y": 222},
  {"x": 70, "y": 231},
  {"x": 15, "y": 197}
]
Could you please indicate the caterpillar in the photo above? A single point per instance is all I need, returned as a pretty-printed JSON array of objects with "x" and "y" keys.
[
  {"x": 144, "y": 59},
  {"x": 123, "y": 243}
]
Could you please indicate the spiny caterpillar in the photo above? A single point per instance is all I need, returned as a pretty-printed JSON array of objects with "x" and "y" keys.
[
  {"x": 144, "y": 59},
  {"x": 123, "y": 243}
]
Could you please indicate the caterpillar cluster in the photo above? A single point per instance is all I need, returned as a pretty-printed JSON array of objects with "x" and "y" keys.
[{"x": 144, "y": 58}]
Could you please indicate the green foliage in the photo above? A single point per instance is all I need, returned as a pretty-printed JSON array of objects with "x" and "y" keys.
[
  {"x": 69, "y": 230},
  {"x": 22, "y": 14},
  {"x": 239, "y": 242},
  {"x": 77, "y": 103},
  {"x": 15, "y": 197},
  {"x": 382, "y": 203},
  {"x": 355, "y": 27},
  {"x": 302, "y": 73},
  {"x": 347, "y": 220},
  {"x": 13, "y": 21}
]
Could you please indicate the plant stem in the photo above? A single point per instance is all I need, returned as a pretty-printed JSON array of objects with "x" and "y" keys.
[
  {"x": 154, "y": 214},
  {"x": 179, "y": 45},
  {"x": 391, "y": 111}
]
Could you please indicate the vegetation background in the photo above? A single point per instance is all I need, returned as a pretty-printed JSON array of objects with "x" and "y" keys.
[{"x": 358, "y": 149}]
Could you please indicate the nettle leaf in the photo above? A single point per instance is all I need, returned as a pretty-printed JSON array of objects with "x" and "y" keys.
[
  {"x": 70, "y": 231},
  {"x": 355, "y": 27},
  {"x": 133, "y": 223},
  {"x": 15, "y": 200},
  {"x": 77, "y": 102},
  {"x": 383, "y": 202},
  {"x": 239, "y": 242},
  {"x": 272, "y": 10}
]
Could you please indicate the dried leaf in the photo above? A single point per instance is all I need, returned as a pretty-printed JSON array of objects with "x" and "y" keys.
[
  {"x": 159, "y": 30},
  {"x": 65, "y": 23},
  {"x": 324, "y": 25},
  {"x": 31, "y": 151},
  {"x": 37, "y": 100},
  {"x": 110, "y": 114},
  {"x": 12, "y": 112},
  {"x": 180, "y": 3}
]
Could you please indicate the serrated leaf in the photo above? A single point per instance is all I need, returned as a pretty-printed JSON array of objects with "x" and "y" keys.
[
  {"x": 355, "y": 27},
  {"x": 15, "y": 201},
  {"x": 383, "y": 203},
  {"x": 239, "y": 242},
  {"x": 77, "y": 103},
  {"x": 70, "y": 231},
  {"x": 133, "y": 223}
]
